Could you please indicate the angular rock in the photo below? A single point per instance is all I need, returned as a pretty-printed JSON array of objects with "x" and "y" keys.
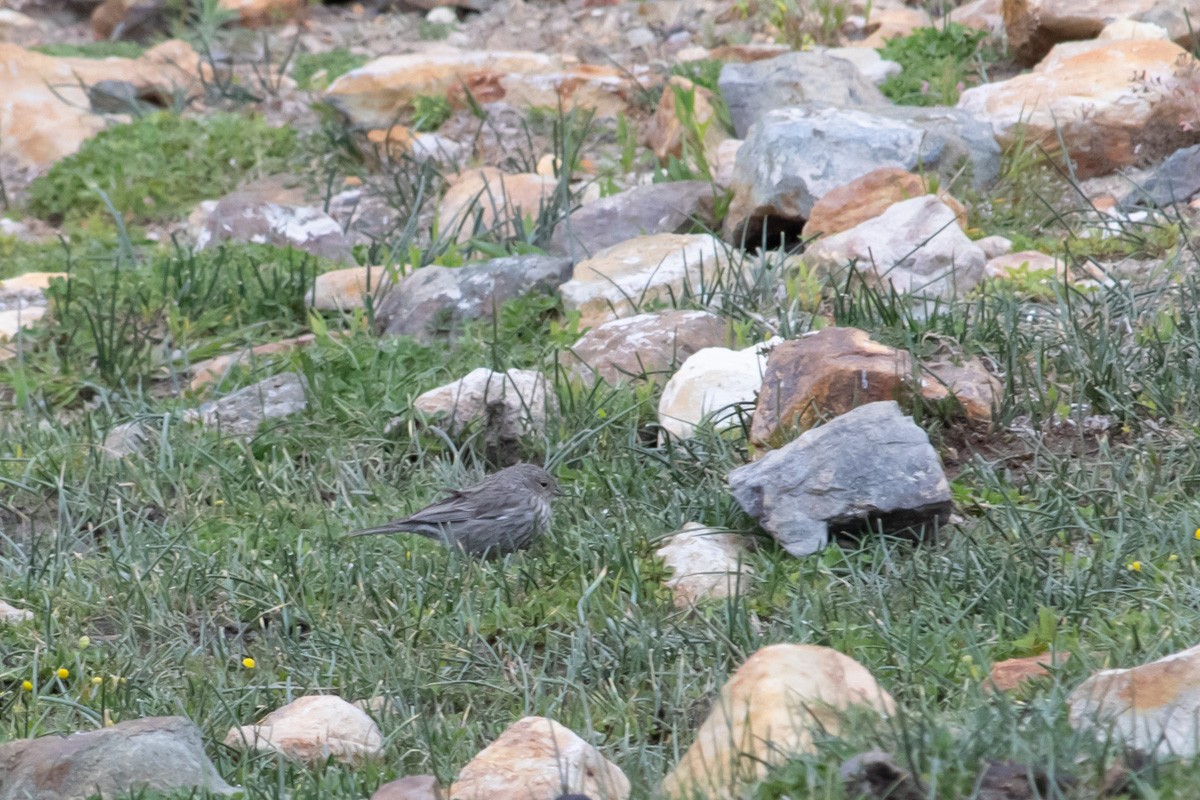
[
  {"x": 312, "y": 730},
  {"x": 211, "y": 370},
  {"x": 916, "y": 246},
  {"x": 510, "y": 405},
  {"x": 150, "y": 755},
  {"x": 1013, "y": 673},
  {"x": 487, "y": 199},
  {"x": 246, "y": 218},
  {"x": 706, "y": 564},
  {"x": 663, "y": 267},
  {"x": 875, "y": 774},
  {"x": 125, "y": 440},
  {"x": 347, "y": 289},
  {"x": 1150, "y": 708},
  {"x": 994, "y": 246},
  {"x": 1112, "y": 105},
  {"x": 434, "y": 298},
  {"x": 751, "y": 90},
  {"x": 11, "y": 615},
  {"x": 414, "y": 787},
  {"x": 872, "y": 466},
  {"x": 1035, "y": 26},
  {"x": 981, "y": 15},
  {"x": 667, "y": 136},
  {"x": 1172, "y": 183},
  {"x": 714, "y": 385},
  {"x": 241, "y": 413},
  {"x": 872, "y": 66},
  {"x": 885, "y": 24},
  {"x": 795, "y": 156},
  {"x": 673, "y": 207},
  {"x": 644, "y": 347},
  {"x": 869, "y": 196},
  {"x": 538, "y": 759},
  {"x": 44, "y": 108},
  {"x": 376, "y": 94},
  {"x": 1008, "y": 780},
  {"x": 769, "y": 711}
]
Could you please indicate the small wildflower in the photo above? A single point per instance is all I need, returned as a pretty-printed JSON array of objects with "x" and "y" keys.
[
  {"x": 84, "y": 641},
  {"x": 249, "y": 663},
  {"x": 601, "y": 413},
  {"x": 1197, "y": 533},
  {"x": 97, "y": 680},
  {"x": 63, "y": 673},
  {"x": 27, "y": 685},
  {"x": 1135, "y": 566},
  {"x": 1172, "y": 557}
]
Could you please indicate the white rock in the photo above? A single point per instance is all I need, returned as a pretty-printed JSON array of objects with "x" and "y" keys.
[
  {"x": 994, "y": 246},
  {"x": 711, "y": 384},
  {"x": 12, "y": 615},
  {"x": 15, "y": 319},
  {"x": 512, "y": 404},
  {"x": 538, "y": 759},
  {"x": 706, "y": 563},
  {"x": 312, "y": 729},
  {"x": 1131, "y": 29},
  {"x": 441, "y": 16},
  {"x": 868, "y": 62}
]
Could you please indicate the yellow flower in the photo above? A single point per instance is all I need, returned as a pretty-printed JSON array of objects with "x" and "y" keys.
[
  {"x": 1172, "y": 557},
  {"x": 97, "y": 680},
  {"x": 1135, "y": 566},
  {"x": 27, "y": 685},
  {"x": 63, "y": 673},
  {"x": 84, "y": 641},
  {"x": 1197, "y": 533},
  {"x": 249, "y": 663}
]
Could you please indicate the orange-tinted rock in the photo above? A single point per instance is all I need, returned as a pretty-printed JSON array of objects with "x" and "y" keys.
[
  {"x": 1010, "y": 264},
  {"x": 666, "y": 135},
  {"x": 1111, "y": 104},
  {"x": 498, "y": 199},
  {"x": 1035, "y": 26},
  {"x": 746, "y": 53},
  {"x": 832, "y": 371},
  {"x": 211, "y": 370},
  {"x": 1015, "y": 672},
  {"x": 143, "y": 20},
  {"x": 869, "y": 196},
  {"x": 890, "y": 23},
  {"x": 982, "y": 15},
  {"x": 312, "y": 730}
]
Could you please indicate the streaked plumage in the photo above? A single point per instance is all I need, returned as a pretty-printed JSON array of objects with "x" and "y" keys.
[{"x": 504, "y": 512}]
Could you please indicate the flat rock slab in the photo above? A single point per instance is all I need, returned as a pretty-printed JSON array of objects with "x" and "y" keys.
[
  {"x": 238, "y": 218},
  {"x": 155, "y": 754},
  {"x": 1034, "y": 26},
  {"x": 1173, "y": 182},
  {"x": 867, "y": 466},
  {"x": 644, "y": 347},
  {"x": 437, "y": 300},
  {"x": 243, "y": 411},
  {"x": 311, "y": 730}
]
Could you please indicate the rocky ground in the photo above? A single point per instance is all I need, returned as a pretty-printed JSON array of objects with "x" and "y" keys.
[{"x": 861, "y": 338}]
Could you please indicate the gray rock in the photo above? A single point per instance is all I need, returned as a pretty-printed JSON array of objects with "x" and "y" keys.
[
  {"x": 1173, "y": 181},
  {"x": 875, "y": 774},
  {"x": 794, "y": 156},
  {"x": 243, "y": 411},
  {"x": 435, "y": 299},
  {"x": 155, "y": 754},
  {"x": 244, "y": 218},
  {"x": 115, "y": 97},
  {"x": 413, "y": 787},
  {"x": 674, "y": 207},
  {"x": 870, "y": 465},
  {"x": 751, "y": 90},
  {"x": 644, "y": 347}
]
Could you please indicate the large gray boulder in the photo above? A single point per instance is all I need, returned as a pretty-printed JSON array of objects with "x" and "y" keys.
[
  {"x": 435, "y": 299},
  {"x": 751, "y": 90},
  {"x": 155, "y": 754},
  {"x": 870, "y": 465}
]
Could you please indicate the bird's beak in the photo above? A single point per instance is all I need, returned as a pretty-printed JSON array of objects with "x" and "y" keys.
[{"x": 559, "y": 492}]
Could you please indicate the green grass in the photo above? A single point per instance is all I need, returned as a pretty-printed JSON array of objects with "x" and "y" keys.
[
  {"x": 333, "y": 63},
  {"x": 159, "y": 167},
  {"x": 938, "y": 63},
  {"x": 92, "y": 50}
]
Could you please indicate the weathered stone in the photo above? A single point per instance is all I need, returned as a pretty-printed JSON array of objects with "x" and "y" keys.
[
  {"x": 870, "y": 466},
  {"x": 1035, "y": 26},
  {"x": 705, "y": 564},
  {"x": 1112, "y": 105},
  {"x": 211, "y": 370},
  {"x": 1013, "y": 673},
  {"x": 312, "y": 730},
  {"x": 16, "y": 27},
  {"x": 10, "y": 615},
  {"x": 876, "y": 775},
  {"x": 981, "y": 15},
  {"x": 869, "y": 196},
  {"x": 242, "y": 412},
  {"x": 794, "y": 156},
  {"x": 538, "y": 759},
  {"x": 434, "y": 298},
  {"x": 151, "y": 755},
  {"x": 768, "y": 712},
  {"x": 14, "y": 320},
  {"x": 1172, "y": 183},
  {"x": 714, "y": 385},
  {"x": 241, "y": 218},
  {"x": 1129, "y": 29},
  {"x": 1010, "y": 264},
  {"x": 916, "y": 246},
  {"x": 994, "y": 246},
  {"x": 667, "y": 135},
  {"x": 647, "y": 269},
  {"x": 885, "y": 24},
  {"x": 1008, "y": 780},
  {"x": 672, "y": 207},
  {"x": 510, "y": 405},
  {"x": 1150, "y": 708},
  {"x": 414, "y": 787},
  {"x": 872, "y": 66},
  {"x": 468, "y": 5},
  {"x": 125, "y": 440},
  {"x": 375, "y": 95},
  {"x": 751, "y": 90},
  {"x": 347, "y": 289},
  {"x": 44, "y": 108},
  {"x": 487, "y": 199},
  {"x": 644, "y": 347}
]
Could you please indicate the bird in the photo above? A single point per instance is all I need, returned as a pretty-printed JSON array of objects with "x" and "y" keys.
[{"x": 505, "y": 512}]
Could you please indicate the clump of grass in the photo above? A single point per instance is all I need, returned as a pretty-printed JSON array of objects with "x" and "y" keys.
[
  {"x": 334, "y": 63},
  {"x": 430, "y": 112},
  {"x": 938, "y": 64},
  {"x": 159, "y": 166},
  {"x": 104, "y": 49}
]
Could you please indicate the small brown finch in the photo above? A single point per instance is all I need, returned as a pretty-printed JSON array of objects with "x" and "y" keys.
[{"x": 504, "y": 512}]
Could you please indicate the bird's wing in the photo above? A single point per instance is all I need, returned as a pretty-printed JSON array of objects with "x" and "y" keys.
[{"x": 461, "y": 508}]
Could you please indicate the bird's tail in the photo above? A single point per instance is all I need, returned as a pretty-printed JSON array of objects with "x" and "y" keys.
[{"x": 400, "y": 526}]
